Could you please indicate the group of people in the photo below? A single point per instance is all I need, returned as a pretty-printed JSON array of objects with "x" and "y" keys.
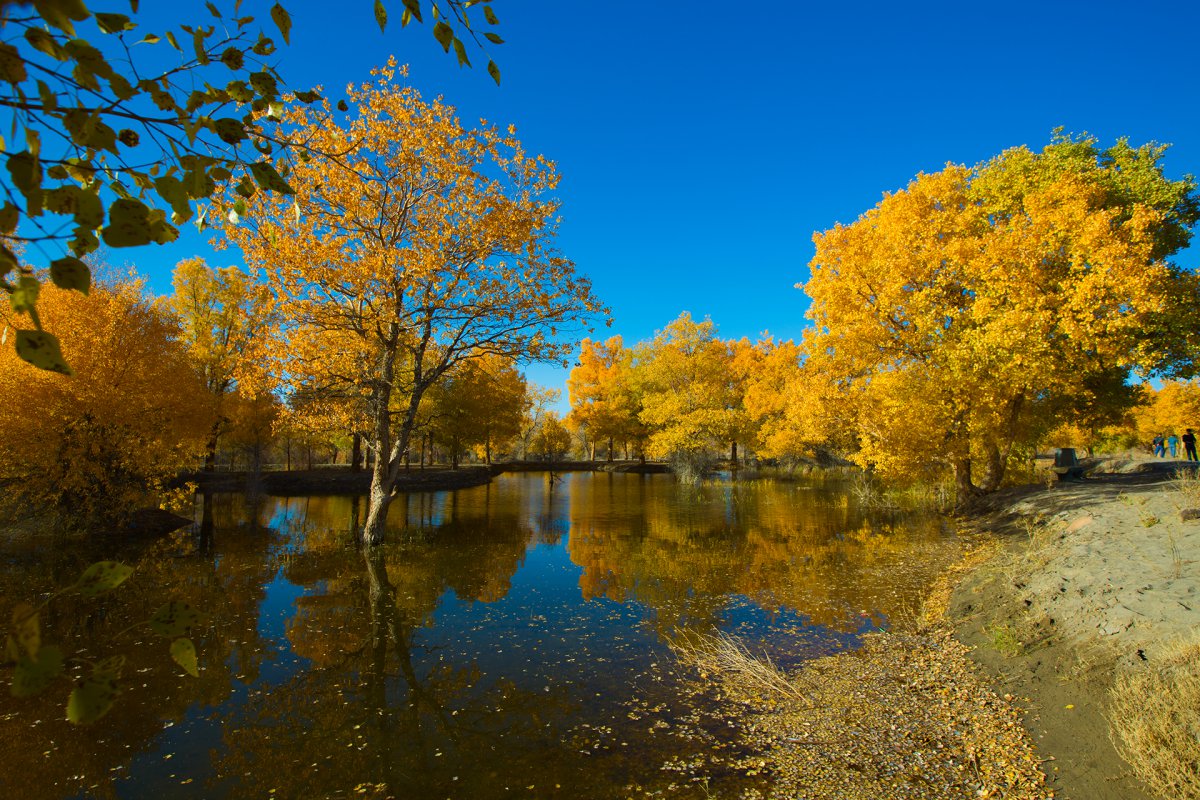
[{"x": 1163, "y": 443}]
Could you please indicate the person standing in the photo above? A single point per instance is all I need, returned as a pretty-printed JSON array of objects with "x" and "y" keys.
[
  {"x": 1189, "y": 445},
  {"x": 1173, "y": 444},
  {"x": 1157, "y": 445}
]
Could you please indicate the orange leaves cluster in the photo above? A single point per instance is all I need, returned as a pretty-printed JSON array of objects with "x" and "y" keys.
[
  {"x": 959, "y": 316},
  {"x": 133, "y": 415}
]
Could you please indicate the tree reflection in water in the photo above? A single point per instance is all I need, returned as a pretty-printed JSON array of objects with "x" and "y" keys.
[{"x": 507, "y": 636}]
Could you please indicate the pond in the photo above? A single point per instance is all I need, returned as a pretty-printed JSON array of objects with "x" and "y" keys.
[{"x": 510, "y": 640}]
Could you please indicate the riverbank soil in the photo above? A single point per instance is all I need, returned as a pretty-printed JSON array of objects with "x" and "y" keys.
[{"x": 1095, "y": 585}]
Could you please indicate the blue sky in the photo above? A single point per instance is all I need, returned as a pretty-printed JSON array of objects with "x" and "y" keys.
[{"x": 702, "y": 143}]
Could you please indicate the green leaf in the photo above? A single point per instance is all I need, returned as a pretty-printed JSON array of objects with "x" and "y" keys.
[
  {"x": 71, "y": 273},
  {"x": 128, "y": 224},
  {"x": 174, "y": 619},
  {"x": 32, "y": 675},
  {"x": 233, "y": 58},
  {"x": 42, "y": 350},
  {"x": 444, "y": 34},
  {"x": 414, "y": 7},
  {"x": 26, "y": 172},
  {"x": 24, "y": 298},
  {"x": 494, "y": 71},
  {"x": 283, "y": 21},
  {"x": 246, "y": 188},
  {"x": 381, "y": 15},
  {"x": 12, "y": 66},
  {"x": 10, "y": 215},
  {"x": 490, "y": 16},
  {"x": 26, "y": 632},
  {"x": 240, "y": 91},
  {"x": 48, "y": 97},
  {"x": 173, "y": 41},
  {"x": 213, "y": 10},
  {"x": 461, "y": 53},
  {"x": 91, "y": 699},
  {"x": 184, "y": 654},
  {"x": 89, "y": 212},
  {"x": 263, "y": 47},
  {"x": 264, "y": 83},
  {"x": 110, "y": 668},
  {"x": 230, "y": 130},
  {"x": 44, "y": 42},
  {"x": 114, "y": 23},
  {"x": 101, "y": 577},
  {"x": 493, "y": 38},
  {"x": 60, "y": 13},
  {"x": 266, "y": 176}
]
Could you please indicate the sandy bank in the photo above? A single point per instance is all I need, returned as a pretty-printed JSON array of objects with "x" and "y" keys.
[{"x": 1093, "y": 580}]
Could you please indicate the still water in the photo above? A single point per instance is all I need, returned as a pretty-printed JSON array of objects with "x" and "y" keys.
[{"x": 510, "y": 640}]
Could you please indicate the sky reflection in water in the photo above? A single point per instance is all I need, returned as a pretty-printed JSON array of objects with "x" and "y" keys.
[{"x": 509, "y": 640}]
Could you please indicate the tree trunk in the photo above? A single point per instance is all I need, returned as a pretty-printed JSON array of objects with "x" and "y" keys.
[
  {"x": 964, "y": 486},
  {"x": 610, "y": 449},
  {"x": 210, "y": 447},
  {"x": 993, "y": 469},
  {"x": 356, "y": 453},
  {"x": 733, "y": 455}
]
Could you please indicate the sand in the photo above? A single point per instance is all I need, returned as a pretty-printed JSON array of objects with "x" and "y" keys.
[{"x": 1094, "y": 579}]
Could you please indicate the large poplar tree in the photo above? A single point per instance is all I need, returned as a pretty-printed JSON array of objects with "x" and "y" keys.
[
  {"x": 423, "y": 244},
  {"x": 959, "y": 318}
]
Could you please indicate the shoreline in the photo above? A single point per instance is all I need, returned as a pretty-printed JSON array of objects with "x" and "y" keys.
[
  {"x": 342, "y": 480},
  {"x": 1061, "y": 598}
]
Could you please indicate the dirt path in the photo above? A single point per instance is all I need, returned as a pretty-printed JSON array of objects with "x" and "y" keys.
[{"x": 1096, "y": 580}]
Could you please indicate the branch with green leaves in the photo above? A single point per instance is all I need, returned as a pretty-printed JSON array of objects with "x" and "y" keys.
[
  {"x": 37, "y": 665},
  {"x": 115, "y": 135}
]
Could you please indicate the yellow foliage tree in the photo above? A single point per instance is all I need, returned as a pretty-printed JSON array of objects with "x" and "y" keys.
[
  {"x": 1170, "y": 410},
  {"x": 225, "y": 321},
  {"x": 423, "y": 245},
  {"x": 552, "y": 440},
  {"x": 958, "y": 317},
  {"x": 602, "y": 395},
  {"x": 480, "y": 403},
  {"x": 100, "y": 442},
  {"x": 691, "y": 392}
]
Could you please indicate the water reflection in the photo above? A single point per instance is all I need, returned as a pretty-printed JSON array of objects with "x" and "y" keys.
[{"x": 508, "y": 640}]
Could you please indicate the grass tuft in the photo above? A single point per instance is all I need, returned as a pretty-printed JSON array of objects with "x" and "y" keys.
[
  {"x": 725, "y": 659},
  {"x": 1155, "y": 716}
]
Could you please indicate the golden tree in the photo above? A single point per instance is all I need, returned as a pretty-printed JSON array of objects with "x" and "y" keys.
[
  {"x": 602, "y": 395},
  {"x": 958, "y": 317},
  {"x": 480, "y": 403},
  {"x": 119, "y": 132},
  {"x": 225, "y": 323},
  {"x": 423, "y": 245},
  {"x": 691, "y": 393},
  {"x": 103, "y": 440}
]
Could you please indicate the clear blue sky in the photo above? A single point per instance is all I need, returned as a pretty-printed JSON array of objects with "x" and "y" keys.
[{"x": 702, "y": 143}]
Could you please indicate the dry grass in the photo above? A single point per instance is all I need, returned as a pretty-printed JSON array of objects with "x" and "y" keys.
[
  {"x": 725, "y": 659},
  {"x": 1187, "y": 488},
  {"x": 1155, "y": 717}
]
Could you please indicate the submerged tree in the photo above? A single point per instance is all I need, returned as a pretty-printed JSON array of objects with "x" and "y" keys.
[
  {"x": 961, "y": 314},
  {"x": 424, "y": 245}
]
